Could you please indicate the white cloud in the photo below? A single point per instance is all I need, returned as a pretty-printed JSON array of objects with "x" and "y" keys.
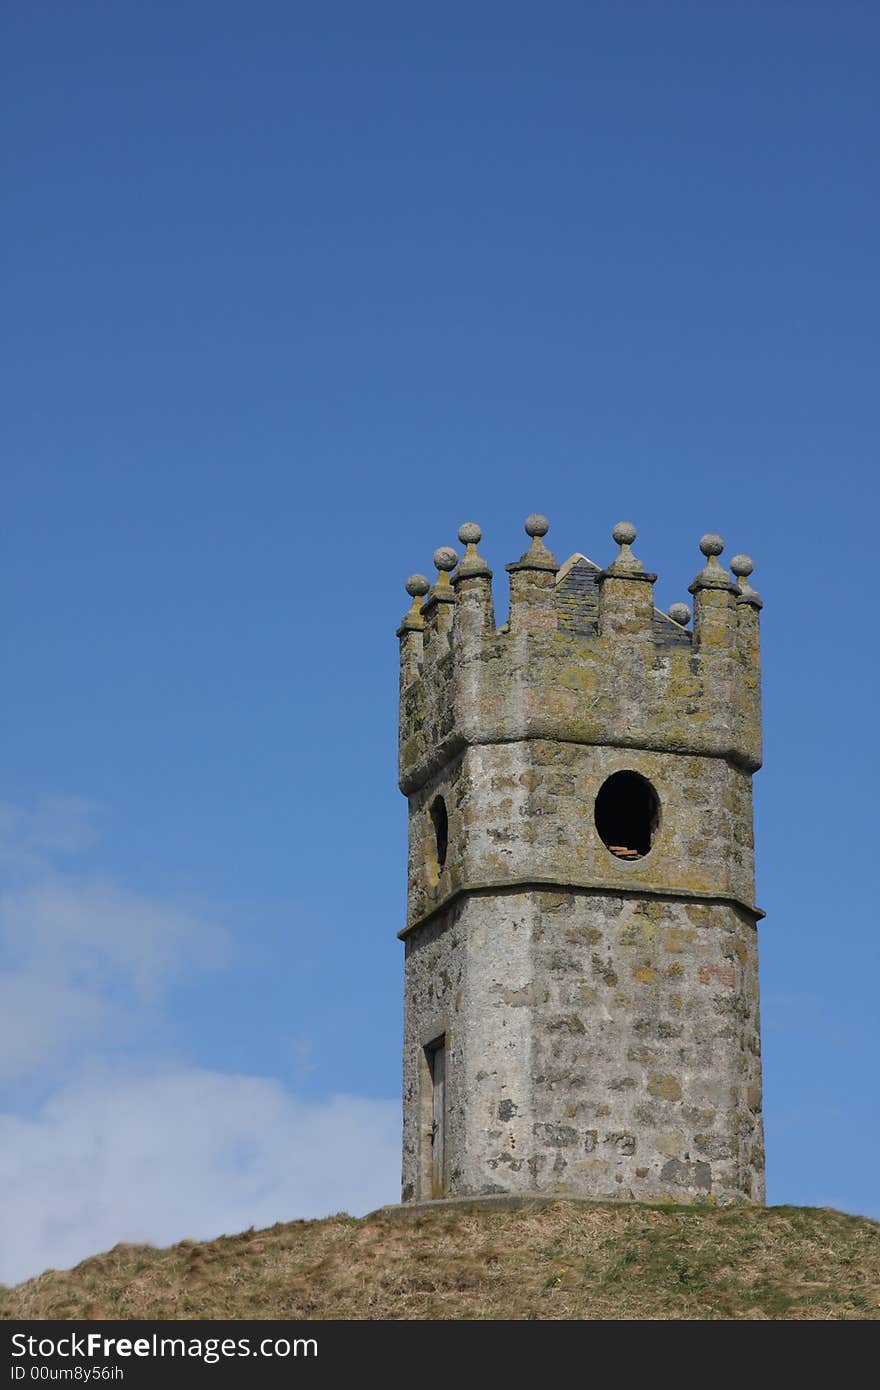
[
  {"x": 84, "y": 961},
  {"x": 29, "y": 836},
  {"x": 94, "y": 932},
  {"x": 184, "y": 1153},
  {"x": 163, "y": 1150},
  {"x": 43, "y": 1021}
]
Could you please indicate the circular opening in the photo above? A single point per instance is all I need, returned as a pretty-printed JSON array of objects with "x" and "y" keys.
[{"x": 627, "y": 815}]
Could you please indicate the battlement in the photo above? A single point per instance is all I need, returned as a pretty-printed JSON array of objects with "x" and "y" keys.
[{"x": 584, "y": 658}]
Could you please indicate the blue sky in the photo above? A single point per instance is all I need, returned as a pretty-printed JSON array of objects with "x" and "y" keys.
[{"x": 291, "y": 291}]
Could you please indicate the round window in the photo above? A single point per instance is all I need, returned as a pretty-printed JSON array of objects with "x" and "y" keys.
[{"x": 627, "y": 815}]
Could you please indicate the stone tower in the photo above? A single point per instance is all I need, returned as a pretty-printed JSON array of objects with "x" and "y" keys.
[{"x": 581, "y": 999}]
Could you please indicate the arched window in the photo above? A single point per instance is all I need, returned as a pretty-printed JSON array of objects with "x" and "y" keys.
[{"x": 627, "y": 815}]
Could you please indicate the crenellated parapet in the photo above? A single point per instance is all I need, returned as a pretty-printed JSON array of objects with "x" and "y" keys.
[{"x": 584, "y": 657}]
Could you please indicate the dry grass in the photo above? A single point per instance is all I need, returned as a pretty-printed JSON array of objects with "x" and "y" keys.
[{"x": 561, "y": 1261}]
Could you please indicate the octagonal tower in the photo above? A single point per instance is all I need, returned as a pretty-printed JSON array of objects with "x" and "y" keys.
[{"x": 581, "y": 996}]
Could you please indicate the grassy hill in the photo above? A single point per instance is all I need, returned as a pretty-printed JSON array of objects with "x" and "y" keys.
[{"x": 561, "y": 1260}]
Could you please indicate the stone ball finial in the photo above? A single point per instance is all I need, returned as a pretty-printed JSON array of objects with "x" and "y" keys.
[
  {"x": 711, "y": 544},
  {"x": 742, "y": 567},
  {"x": 417, "y": 586},
  {"x": 537, "y": 525},
  {"x": 445, "y": 558},
  {"x": 624, "y": 533},
  {"x": 679, "y": 613},
  {"x": 469, "y": 533}
]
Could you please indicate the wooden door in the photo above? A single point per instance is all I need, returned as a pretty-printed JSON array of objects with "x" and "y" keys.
[{"x": 438, "y": 1126}]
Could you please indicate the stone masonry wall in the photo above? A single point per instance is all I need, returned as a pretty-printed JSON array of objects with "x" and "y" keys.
[
  {"x": 527, "y": 810},
  {"x": 597, "y": 1044}
]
